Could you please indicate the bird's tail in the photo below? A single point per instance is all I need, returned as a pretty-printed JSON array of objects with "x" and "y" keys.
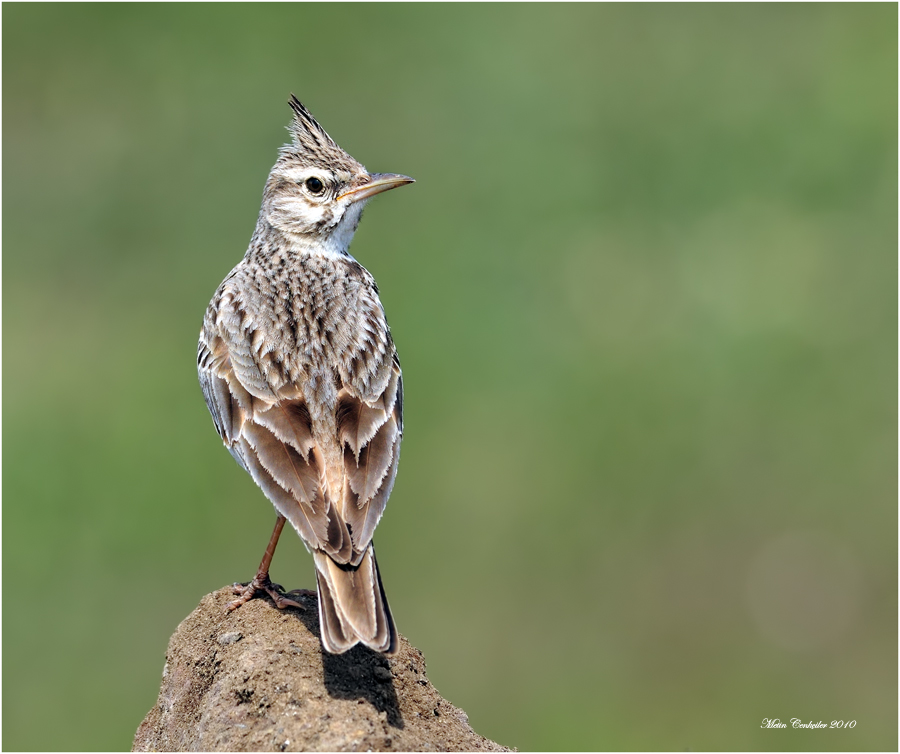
[{"x": 352, "y": 606}]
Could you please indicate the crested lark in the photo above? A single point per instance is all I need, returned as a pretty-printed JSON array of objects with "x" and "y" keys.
[{"x": 302, "y": 379}]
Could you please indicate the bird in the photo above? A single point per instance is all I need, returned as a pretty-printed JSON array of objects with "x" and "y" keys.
[{"x": 300, "y": 373}]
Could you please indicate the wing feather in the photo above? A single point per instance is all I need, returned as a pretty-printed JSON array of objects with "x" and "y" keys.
[
  {"x": 268, "y": 429},
  {"x": 271, "y": 439},
  {"x": 370, "y": 458}
]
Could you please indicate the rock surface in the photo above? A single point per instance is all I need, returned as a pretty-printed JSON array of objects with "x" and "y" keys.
[{"x": 257, "y": 679}]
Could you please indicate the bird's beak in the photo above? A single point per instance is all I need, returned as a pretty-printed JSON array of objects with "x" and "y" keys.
[{"x": 378, "y": 182}]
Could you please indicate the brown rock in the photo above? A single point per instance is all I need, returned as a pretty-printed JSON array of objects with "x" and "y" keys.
[{"x": 257, "y": 679}]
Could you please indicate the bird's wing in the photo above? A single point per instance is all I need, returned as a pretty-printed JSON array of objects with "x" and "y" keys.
[
  {"x": 270, "y": 437},
  {"x": 370, "y": 430}
]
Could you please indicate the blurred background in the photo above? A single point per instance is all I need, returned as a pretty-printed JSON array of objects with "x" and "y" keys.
[{"x": 645, "y": 295}]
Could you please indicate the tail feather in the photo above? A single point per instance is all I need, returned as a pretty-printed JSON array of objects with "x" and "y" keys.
[{"x": 353, "y": 608}]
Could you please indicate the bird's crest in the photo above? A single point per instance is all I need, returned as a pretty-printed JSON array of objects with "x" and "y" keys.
[
  {"x": 305, "y": 130},
  {"x": 311, "y": 144}
]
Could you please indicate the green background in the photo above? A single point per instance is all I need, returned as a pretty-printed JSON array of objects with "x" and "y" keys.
[{"x": 644, "y": 291}]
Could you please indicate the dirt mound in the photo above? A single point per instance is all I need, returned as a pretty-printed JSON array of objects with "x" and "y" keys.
[{"x": 257, "y": 680}]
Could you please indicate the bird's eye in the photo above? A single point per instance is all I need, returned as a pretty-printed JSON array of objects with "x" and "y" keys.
[{"x": 314, "y": 186}]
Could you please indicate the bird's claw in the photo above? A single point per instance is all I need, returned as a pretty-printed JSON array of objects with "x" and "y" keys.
[{"x": 247, "y": 592}]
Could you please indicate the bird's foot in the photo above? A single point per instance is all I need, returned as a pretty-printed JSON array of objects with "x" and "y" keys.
[{"x": 259, "y": 585}]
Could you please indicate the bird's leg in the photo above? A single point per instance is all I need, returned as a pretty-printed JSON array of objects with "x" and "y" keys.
[{"x": 262, "y": 583}]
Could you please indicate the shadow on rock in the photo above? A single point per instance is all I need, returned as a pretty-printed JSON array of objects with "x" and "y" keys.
[
  {"x": 359, "y": 673},
  {"x": 362, "y": 673}
]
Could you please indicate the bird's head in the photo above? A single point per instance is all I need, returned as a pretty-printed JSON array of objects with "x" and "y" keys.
[{"x": 316, "y": 191}]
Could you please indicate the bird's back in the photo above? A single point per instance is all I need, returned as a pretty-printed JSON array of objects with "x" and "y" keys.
[{"x": 306, "y": 330}]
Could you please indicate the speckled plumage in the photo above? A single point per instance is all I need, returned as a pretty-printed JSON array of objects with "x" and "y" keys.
[{"x": 302, "y": 379}]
